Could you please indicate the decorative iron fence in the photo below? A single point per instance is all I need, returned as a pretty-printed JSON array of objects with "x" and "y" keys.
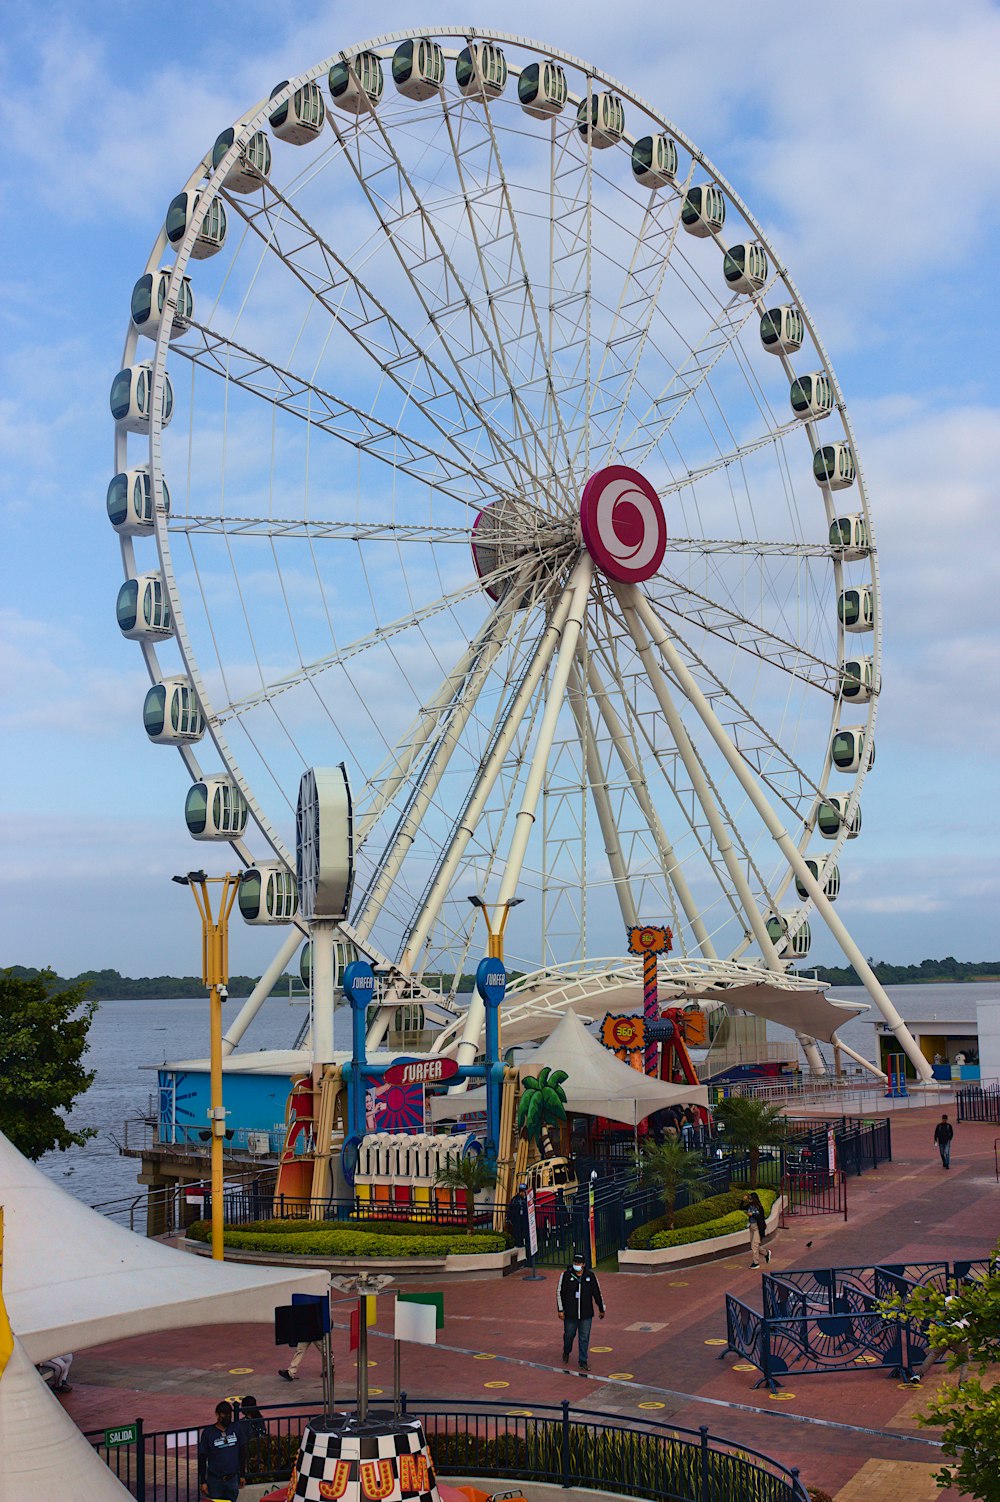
[
  {"x": 814, "y": 1193},
  {"x": 978, "y": 1103},
  {"x": 829, "y": 1319},
  {"x": 565, "y": 1446}
]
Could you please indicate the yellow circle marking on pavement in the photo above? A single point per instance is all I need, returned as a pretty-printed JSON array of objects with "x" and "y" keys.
[
  {"x": 652, "y": 1405},
  {"x": 375, "y": 1392},
  {"x": 679, "y": 1283},
  {"x": 782, "y": 1397},
  {"x": 496, "y": 1384},
  {"x": 519, "y": 1413},
  {"x": 907, "y": 1386},
  {"x": 744, "y": 1366},
  {"x": 866, "y": 1360},
  {"x": 484, "y": 1356},
  {"x": 715, "y": 1340},
  {"x": 622, "y": 1376},
  {"x": 240, "y": 1371},
  {"x": 372, "y": 1363},
  {"x": 602, "y": 1350}
]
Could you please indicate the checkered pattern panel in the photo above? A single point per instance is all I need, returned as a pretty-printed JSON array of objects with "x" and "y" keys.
[{"x": 370, "y": 1462}]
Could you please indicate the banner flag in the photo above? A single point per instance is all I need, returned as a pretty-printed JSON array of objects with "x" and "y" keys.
[
  {"x": 417, "y": 1322},
  {"x": 437, "y": 1299}
]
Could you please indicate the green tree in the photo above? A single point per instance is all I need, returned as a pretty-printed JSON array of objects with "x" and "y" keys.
[
  {"x": 672, "y": 1167},
  {"x": 964, "y": 1326},
  {"x": 750, "y": 1124},
  {"x": 43, "y": 1038},
  {"x": 471, "y": 1173},
  {"x": 542, "y": 1104}
]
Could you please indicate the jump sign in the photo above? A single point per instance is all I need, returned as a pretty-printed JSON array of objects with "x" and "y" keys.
[{"x": 624, "y": 529}]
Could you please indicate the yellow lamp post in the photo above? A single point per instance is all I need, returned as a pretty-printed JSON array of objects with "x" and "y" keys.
[
  {"x": 495, "y": 929},
  {"x": 215, "y": 976}
]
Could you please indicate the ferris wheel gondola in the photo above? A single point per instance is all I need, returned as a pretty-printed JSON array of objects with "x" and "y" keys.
[{"x": 511, "y": 496}]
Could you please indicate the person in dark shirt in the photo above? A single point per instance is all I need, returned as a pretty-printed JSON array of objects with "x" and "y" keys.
[
  {"x": 576, "y": 1296},
  {"x": 943, "y": 1133},
  {"x": 222, "y": 1456},
  {"x": 757, "y": 1222}
]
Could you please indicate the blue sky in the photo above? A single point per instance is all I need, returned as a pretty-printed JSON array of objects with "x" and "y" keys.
[{"x": 864, "y": 138}]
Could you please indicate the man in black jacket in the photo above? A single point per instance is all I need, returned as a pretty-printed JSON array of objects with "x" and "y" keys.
[
  {"x": 576, "y": 1296},
  {"x": 943, "y": 1133},
  {"x": 222, "y": 1456}
]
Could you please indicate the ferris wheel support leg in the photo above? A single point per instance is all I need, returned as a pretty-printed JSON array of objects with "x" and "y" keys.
[
  {"x": 261, "y": 991},
  {"x": 860, "y": 1059},
  {"x": 671, "y": 867},
  {"x": 426, "y": 724},
  {"x": 810, "y": 1048},
  {"x": 631, "y": 602},
  {"x": 781, "y": 837},
  {"x": 429, "y": 779},
  {"x": 578, "y": 588},
  {"x": 470, "y": 816},
  {"x": 602, "y": 802}
]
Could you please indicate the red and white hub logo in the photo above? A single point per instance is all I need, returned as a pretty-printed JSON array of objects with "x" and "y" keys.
[{"x": 624, "y": 529}]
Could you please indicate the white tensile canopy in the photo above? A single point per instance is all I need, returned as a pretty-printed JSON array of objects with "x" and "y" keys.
[
  {"x": 597, "y": 1083},
  {"x": 43, "y": 1455},
  {"x": 73, "y": 1279}
]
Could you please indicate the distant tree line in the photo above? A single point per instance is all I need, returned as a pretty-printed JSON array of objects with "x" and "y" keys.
[
  {"x": 110, "y": 985},
  {"x": 948, "y": 969}
]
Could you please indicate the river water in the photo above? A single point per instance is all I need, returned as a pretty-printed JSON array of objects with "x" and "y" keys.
[{"x": 127, "y": 1035}]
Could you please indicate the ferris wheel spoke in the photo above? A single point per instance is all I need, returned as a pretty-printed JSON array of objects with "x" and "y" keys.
[
  {"x": 378, "y": 332},
  {"x": 319, "y": 665},
  {"x": 310, "y": 526},
  {"x": 637, "y": 618},
  {"x": 510, "y": 283},
  {"x": 328, "y": 413},
  {"x": 598, "y": 783},
  {"x": 664, "y": 410},
  {"x": 676, "y": 598},
  {"x": 401, "y": 203},
  {"x": 754, "y": 547},
  {"x": 622, "y": 354},
  {"x": 492, "y": 762}
]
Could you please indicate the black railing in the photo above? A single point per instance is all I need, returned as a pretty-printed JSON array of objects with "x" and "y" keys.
[
  {"x": 564, "y": 1446},
  {"x": 978, "y": 1103}
]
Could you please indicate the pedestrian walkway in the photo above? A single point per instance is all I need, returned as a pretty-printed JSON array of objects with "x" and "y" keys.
[{"x": 655, "y": 1354}]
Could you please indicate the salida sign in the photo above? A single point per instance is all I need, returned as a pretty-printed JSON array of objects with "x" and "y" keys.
[{"x": 422, "y": 1072}]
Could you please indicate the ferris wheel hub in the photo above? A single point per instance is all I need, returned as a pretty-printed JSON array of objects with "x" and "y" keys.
[
  {"x": 623, "y": 525},
  {"x": 512, "y": 546}
]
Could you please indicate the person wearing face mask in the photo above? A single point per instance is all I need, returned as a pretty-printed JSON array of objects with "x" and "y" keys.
[{"x": 576, "y": 1296}]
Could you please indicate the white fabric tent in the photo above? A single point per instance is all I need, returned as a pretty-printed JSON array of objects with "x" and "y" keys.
[
  {"x": 597, "y": 1083},
  {"x": 73, "y": 1279},
  {"x": 43, "y": 1455}
]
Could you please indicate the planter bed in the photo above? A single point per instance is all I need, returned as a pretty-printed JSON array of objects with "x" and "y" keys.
[{"x": 689, "y": 1253}]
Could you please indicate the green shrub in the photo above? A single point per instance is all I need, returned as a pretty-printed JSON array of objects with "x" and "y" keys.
[
  {"x": 322, "y": 1240},
  {"x": 200, "y": 1230},
  {"x": 722, "y": 1215}
]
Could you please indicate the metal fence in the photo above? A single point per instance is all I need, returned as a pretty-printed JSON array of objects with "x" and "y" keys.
[
  {"x": 829, "y": 1319},
  {"x": 978, "y": 1103},
  {"x": 564, "y": 1446},
  {"x": 818, "y": 1192}
]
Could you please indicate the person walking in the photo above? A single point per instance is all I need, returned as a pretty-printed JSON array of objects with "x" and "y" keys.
[
  {"x": 287, "y": 1373},
  {"x": 757, "y": 1222},
  {"x": 222, "y": 1457},
  {"x": 943, "y": 1133},
  {"x": 577, "y": 1294},
  {"x": 955, "y": 1343}
]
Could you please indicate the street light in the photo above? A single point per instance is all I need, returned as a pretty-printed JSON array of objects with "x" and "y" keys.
[
  {"x": 495, "y": 946},
  {"x": 215, "y": 976}
]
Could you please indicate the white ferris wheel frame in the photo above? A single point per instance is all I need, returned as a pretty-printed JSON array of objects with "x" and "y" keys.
[{"x": 575, "y": 671}]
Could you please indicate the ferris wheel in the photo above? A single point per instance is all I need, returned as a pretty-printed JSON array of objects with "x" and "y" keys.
[{"x": 471, "y": 432}]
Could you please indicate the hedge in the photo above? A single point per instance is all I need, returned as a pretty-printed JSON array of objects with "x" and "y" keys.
[
  {"x": 722, "y": 1225},
  {"x": 707, "y": 1212},
  {"x": 201, "y": 1229},
  {"x": 321, "y": 1241}
]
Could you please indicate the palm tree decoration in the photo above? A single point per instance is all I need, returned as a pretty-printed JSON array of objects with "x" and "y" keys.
[
  {"x": 750, "y": 1124},
  {"x": 471, "y": 1173},
  {"x": 542, "y": 1104},
  {"x": 672, "y": 1167}
]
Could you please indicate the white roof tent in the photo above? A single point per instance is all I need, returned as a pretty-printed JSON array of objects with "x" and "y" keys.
[
  {"x": 42, "y": 1452},
  {"x": 597, "y": 1084},
  {"x": 73, "y": 1279},
  {"x": 535, "y": 1003}
]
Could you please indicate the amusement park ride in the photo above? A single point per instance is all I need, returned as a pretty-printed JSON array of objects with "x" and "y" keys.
[{"x": 499, "y": 459}]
